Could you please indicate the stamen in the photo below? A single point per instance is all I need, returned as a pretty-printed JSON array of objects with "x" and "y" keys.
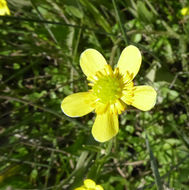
[
  {"x": 112, "y": 90},
  {"x": 99, "y": 74},
  {"x": 108, "y": 70},
  {"x": 101, "y": 108},
  {"x": 90, "y": 84},
  {"x": 116, "y": 71},
  {"x": 92, "y": 78},
  {"x": 128, "y": 86},
  {"x": 127, "y": 77}
]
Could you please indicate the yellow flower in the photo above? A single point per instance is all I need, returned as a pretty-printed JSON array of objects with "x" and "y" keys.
[
  {"x": 90, "y": 185},
  {"x": 4, "y": 10},
  {"x": 185, "y": 11},
  {"x": 111, "y": 91}
]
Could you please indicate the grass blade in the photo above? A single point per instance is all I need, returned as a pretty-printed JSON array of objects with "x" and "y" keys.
[
  {"x": 154, "y": 166},
  {"x": 123, "y": 31},
  {"x": 34, "y": 20}
]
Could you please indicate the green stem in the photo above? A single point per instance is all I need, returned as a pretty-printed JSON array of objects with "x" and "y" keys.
[
  {"x": 123, "y": 31},
  {"x": 154, "y": 166},
  {"x": 45, "y": 25}
]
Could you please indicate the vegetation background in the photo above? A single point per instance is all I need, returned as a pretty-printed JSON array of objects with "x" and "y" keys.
[{"x": 40, "y": 45}]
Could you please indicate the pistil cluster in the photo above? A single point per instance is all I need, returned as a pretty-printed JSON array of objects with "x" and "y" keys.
[{"x": 112, "y": 89}]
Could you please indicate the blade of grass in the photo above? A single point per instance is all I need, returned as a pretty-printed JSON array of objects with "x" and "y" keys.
[
  {"x": 21, "y": 19},
  {"x": 175, "y": 167},
  {"x": 151, "y": 7},
  {"x": 122, "y": 28},
  {"x": 154, "y": 166},
  {"x": 18, "y": 73},
  {"x": 45, "y": 25},
  {"x": 100, "y": 19},
  {"x": 23, "y": 162}
]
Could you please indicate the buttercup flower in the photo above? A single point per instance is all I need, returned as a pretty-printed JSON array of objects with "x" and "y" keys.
[
  {"x": 90, "y": 185},
  {"x": 111, "y": 91},
  {"x": 4, "y": 8},
  {"x": 185, "y": 11}
]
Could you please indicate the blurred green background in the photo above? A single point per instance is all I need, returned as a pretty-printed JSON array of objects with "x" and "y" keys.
[{"x": 40, "y": 46}]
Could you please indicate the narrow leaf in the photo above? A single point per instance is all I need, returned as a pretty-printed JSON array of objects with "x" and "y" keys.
[
  {"x": 123, "y": 31},
  {"x": 154, "y": 166}
]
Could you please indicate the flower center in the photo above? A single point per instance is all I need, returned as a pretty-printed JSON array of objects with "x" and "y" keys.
[{"x": 107, "y": 88}]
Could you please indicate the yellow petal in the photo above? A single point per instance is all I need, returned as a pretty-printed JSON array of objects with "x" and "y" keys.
[
  {"x": 78, "y": 104},
  {"x": 4, "y": 11},
  {"x": 101, "y": 108},
  {"x": 184, "y": 11},
  {"x": 99, "y": 187},
  {"x": 4, "y": 8},
  {"x": 105, "y": 126},
  {"x": 130, "y": 60},
  {"x": 144, "y": 98},
  {"x": 91, "y": 61},
  {"x": 89, "y": 183}
]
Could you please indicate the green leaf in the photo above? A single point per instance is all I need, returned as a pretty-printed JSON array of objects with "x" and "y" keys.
[
  {"x": 144, "y": 14},
  {"x": 154, "y": 166},
  {"x": 74, "y": 11}
]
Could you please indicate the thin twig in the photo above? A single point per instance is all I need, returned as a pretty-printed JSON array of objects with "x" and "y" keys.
[
  {"x": 24, "y": 162},
  {"x": 175, "y": 78},
  {"x": 45, "y": 148}
]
